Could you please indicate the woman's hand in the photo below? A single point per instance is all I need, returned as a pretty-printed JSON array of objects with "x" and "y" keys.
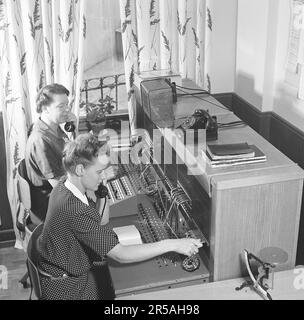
[{"x": 186, "y": 246}]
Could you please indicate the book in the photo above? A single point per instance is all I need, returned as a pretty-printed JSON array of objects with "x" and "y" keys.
[
  {"x": 258, "y": 156},
  {"x": 229, "y": 151}
]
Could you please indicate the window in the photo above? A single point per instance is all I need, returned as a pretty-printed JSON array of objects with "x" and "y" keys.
[{"x": 103, "y": 55}]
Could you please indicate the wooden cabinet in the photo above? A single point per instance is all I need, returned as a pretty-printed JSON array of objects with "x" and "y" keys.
[{"x": 250, "y": 206}]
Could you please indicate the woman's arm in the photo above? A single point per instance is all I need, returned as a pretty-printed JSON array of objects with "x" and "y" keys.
[{"x": 135, "y": 253}]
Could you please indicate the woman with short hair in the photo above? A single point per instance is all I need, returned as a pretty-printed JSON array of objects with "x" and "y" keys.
[{"x": 73, "y": 237}]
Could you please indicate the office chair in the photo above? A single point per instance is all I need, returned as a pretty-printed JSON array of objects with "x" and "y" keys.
[
  {"x": 32, "y": 260},
  {"x": 26, "y": 227}
]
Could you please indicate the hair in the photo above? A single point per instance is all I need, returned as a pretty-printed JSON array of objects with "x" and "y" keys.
[
  {"x": 83, "y": 150},
  {"x": 45, "y": 95}
]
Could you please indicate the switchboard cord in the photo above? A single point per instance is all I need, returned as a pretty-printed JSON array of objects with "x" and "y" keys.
[
  {"x": 200, "y": 91},
  {"x": 104, "y": 206}
]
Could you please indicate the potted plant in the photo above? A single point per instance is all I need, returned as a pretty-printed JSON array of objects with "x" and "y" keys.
[{"x": 96, "y": 113}]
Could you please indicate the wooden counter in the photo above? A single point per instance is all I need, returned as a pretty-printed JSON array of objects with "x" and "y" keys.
[
  {"x": 251, "y": 206},
  {"x": 284, "y": 289}
]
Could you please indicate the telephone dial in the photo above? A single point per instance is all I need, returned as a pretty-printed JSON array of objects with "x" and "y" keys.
[{"x": 201, "y": 119}]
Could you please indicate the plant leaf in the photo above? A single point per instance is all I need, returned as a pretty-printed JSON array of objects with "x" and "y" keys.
[
  {"x": 71, "y": 14},
  {"x": 140, "y": 50},
  {"x": 32, "y": 26},
  {"x": 185, "y": 26},
  {"x": 135, "y": 38},
  {"x": 22, "y": 64},
  {"x": 76, "y": 67},
  {"x": 68, "y": 34},
  {"x": 179, "y": 26},
  {"x": 209, "y": 19},
  {"x": 152, "y": 9},
  {"x": 208, "y": 83},
  {"x": 38, "y": 27},
  {"x": 8, "y": 89},
  {"x": 127, "y": 9},
  {"x": 154, "y": 22},
  {"x": 131, "y": 77},
  {"x": 166, "y": 41},
  {"x": 84, "y": 31},
  {"x": 61, "y": 33},
  {"x": 42, "y": 80},
  {"x": 48, "y": 46},
  {"x": 196, "y": 40},
  {"x": 36, "y": 12},
  {"x": 124, "y": 25},
  {"x": 16, "y": 154}
]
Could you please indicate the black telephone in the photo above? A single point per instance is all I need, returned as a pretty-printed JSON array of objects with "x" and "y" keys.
[{"x": 201, "y": 119}]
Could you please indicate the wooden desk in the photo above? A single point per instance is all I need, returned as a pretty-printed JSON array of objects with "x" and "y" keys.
[
  {"x": 284, "y": 289},
  {"x": 250, "y": 206}
]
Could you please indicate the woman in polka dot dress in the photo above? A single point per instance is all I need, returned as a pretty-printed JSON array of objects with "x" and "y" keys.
[{"x": 73, "y": 238}]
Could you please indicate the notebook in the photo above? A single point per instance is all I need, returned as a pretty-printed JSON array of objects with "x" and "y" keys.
[
  {"x": 258, "y": 156},
  {"x": 229, "y": 151}
]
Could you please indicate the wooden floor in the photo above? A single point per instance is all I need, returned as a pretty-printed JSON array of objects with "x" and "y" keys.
[{"x": 14, "y": 260}]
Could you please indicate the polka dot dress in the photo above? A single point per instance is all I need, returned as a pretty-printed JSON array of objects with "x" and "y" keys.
[{"x": 71, "y": 241}]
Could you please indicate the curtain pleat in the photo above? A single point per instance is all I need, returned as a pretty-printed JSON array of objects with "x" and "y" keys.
[{"x": 41, "y": 42}]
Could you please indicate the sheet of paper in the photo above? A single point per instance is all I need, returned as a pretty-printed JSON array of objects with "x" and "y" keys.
[{"x": 128, "y": 235}]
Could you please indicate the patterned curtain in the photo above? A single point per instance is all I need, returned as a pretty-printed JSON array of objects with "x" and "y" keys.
[
  {"x": 41, "y": 41},
  {"x": 166, "y": 34}
]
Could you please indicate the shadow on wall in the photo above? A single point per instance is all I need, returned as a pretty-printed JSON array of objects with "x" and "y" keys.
[
  {"x": 247, "y": 105},
  {"x": 245, "y": 88}
]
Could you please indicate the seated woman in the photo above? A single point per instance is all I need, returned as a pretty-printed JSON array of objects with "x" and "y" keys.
[
  {"x": 73, "y": 237},
  {"x": 44, "y": 147}
]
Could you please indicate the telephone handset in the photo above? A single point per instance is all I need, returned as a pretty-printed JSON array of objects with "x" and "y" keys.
[
  {"x": 69, "y": 126},
  {"x": 201, "y": 119},
  {"x": 101, "y": 192}
]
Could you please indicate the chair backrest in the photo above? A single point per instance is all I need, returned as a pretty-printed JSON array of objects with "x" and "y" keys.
[
  {"x": 32, "y": 260},
  {"x": 23, "y": 186}
]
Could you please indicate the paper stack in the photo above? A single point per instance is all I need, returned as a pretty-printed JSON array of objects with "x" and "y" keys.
[{"x": 224, "y": 155}]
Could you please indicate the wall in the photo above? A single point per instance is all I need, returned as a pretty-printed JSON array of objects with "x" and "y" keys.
[
  {"x": 286, "y": 105},
  {"x": 223, "y": 45},
  {"x": 261, "y": 59},
  {"x": 257, "y": 31},
  {"x": 103, "y": 18}
]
